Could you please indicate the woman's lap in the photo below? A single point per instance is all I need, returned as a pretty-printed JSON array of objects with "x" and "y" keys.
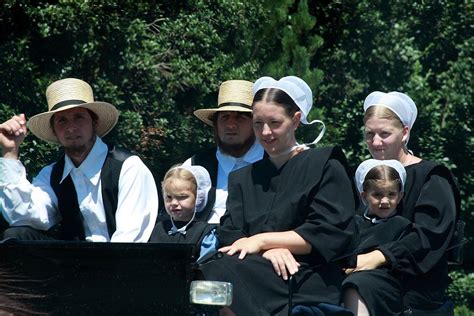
[
  {"x": 385, "y": 294},
  {"x": 259, "y": 290},
  {"x": 380, "y": 291}
]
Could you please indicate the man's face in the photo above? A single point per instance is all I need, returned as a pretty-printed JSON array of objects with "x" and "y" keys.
[
  {"x": 234, "y": 132},
  {"x": 75, "y": 129}
]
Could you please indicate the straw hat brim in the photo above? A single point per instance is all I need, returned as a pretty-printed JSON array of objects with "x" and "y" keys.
[
  {"x": 107, "y": 115},
  {"x": 205, "y": 115}
]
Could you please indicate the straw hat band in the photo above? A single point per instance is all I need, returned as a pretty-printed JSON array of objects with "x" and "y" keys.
[
  {"x": 235, "y": 104},
  {"x": 66, "y": 103}
]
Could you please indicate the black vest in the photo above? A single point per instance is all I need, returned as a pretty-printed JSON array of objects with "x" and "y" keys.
[{"x": 71, "y": 226}]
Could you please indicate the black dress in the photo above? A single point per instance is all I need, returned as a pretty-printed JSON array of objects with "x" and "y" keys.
[
  {"x": 373, "y": 234},
  {"x": 312, "y": 195},
  {"x": 195, "y": 233},
  {"x": 417, "y": 273}
]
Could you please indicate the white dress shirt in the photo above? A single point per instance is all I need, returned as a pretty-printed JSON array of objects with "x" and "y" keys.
[
  {"x": 35, "y": 204},
  {"x": 226, "y": 165}
]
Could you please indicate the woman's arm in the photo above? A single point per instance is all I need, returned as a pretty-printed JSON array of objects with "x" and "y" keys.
[
  {"x": 368, "y": 261},
  {"x": 276, "y": 247},
  {"x": 434, "y": 217},
  {"x": 260, "y": 242},
  {"x": 330, "y": 224}
]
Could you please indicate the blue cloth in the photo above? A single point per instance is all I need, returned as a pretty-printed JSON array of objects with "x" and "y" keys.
[{"x": 209, "y": 244}]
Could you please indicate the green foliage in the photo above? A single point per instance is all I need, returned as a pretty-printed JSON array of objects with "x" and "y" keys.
[
  {"x": 156, "y": 63},
  {"x": 461, "y": 291},
  {"x": 159, "y": 61},
  {"x": 295, "y": 33}
]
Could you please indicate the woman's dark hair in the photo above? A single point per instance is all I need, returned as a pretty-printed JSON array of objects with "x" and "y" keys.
[
  {"x": 382, "y": 172},
  {"x": 278, "y": 97}
]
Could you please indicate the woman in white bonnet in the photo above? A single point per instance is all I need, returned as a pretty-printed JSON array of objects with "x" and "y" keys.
[
  {"x": 291, "y": 210},
  {"x": 416, "y": 264}
]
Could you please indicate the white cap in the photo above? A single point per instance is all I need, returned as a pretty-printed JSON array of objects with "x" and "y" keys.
[
  {"x": 367, "y": 165},
  {"x": 298, "y": 90},
  {"x": 400, "y": 104},
  {"x": 203, "y": 181}
]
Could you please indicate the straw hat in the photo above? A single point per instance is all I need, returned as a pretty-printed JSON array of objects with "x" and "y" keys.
[
  {"x": 71, "y": 93},
  {"x": 234, "y": 95}
]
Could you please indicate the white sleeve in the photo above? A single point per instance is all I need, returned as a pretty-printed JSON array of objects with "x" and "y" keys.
[
  {"x": 137, "y": 205},
  {"x": 24, "y": 203}
]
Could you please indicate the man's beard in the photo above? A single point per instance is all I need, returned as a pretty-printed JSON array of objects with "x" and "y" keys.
[
  {"x": 236, "y": 150},
  {"x": 75, "y": 150}
]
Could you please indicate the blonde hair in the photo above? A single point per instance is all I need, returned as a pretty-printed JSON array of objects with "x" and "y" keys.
[
  {"x": 176, "y": 172},
  {"x": 383, "y": 112}
]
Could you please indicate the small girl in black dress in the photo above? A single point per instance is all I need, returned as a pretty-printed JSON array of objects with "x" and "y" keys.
[
  {"x": 185, "y": 190},
  {"x": 380, "y": 184}
]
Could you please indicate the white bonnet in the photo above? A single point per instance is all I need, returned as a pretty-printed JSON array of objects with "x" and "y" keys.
[
  {"x": 401, "y": 104},
  {"x": 203, "y": 181},
  {"x": 298, "y": 90},
  {"x": 367, "y": 165}
]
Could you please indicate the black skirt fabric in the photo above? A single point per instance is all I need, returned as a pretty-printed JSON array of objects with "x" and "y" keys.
[
  {"x": 380, "y": 290},
  {"x": 258, "y": 290}
]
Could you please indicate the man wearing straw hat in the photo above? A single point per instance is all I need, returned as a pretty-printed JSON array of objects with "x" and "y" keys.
[
  {"x": 236, "y": 145},
  {"x": 93, "y": 193}
]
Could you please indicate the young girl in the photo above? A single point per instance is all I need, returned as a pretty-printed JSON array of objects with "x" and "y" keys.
[
  {"x": 381, "y": 187},
  {"x": 185, "y": 190}
]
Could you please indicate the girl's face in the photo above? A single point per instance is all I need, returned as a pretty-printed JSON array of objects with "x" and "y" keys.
[
  {"x": 273, "y": 128},
  {"x": 179, "y": 198},
  {"x": 382, "y": 198},
  {"x": 385, "y": 138}
]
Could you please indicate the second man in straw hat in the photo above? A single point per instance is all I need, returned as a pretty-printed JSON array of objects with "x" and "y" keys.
[
  {"x": 235, "y": 139},
  {"x": 93, "y": 193}
]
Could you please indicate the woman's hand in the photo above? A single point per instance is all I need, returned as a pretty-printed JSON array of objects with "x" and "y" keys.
[
  {"x": 246, "y": 245},
  {"x": 368, "y": 261},
  {"x": 283, "y": 261}
]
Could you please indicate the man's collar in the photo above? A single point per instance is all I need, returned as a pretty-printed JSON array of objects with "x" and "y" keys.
[
  {"x": 92, "y": 165},
  {"x": 228, "y": 162}
]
